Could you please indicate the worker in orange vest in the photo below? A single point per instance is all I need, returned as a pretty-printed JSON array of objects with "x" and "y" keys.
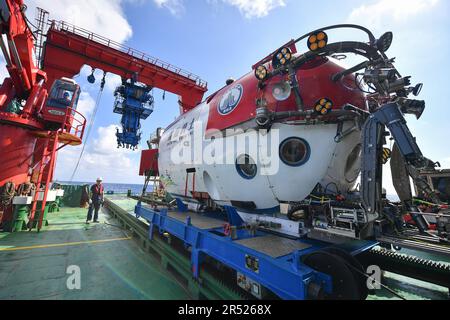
[{"x": 95, "y": 200}]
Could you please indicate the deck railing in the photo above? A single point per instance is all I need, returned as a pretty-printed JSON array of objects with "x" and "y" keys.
[{"x": 74, "y": 123}]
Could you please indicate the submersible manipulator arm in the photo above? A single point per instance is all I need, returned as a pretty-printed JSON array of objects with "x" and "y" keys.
[
  {"x": 387, "y": 100},
  {"x": 390, "y": 116}
]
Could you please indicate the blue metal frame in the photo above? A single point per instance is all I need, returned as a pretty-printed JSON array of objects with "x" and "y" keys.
[
  {"x": 134, "y": 102},
  {"x": 285, "y": 276}
]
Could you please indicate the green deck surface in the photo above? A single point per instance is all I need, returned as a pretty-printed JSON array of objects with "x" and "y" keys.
[{"x": 117, "y": 269}]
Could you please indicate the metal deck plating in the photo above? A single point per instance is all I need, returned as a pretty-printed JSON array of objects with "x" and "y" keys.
[{"x": 278, "y": 246}]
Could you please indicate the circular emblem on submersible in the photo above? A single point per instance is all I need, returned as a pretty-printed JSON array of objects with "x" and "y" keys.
[{"x": 230, "y": 100}]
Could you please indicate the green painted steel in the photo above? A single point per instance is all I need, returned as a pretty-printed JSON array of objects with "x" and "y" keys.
[
  {"x": 20, "y": 217},
  {"x": 38, "y": 213},
  {"x": 73, "y": 195},
  {"x": 55, "y": 206}
]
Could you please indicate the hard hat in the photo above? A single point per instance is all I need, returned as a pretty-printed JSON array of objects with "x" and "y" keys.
[{"x": 99, "y": 179}]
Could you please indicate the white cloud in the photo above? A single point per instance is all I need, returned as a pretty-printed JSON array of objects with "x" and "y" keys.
[
  {"x": 248, "y": 8},
  {"x": 104, "y": 17},
  {"x": 101, "y": 158},
  {"x": 86, "y": 104},
  {"x": 112, "y": 81},
  {"x": 175, "y": 7},
  {"x": 107, "y": 141},
  {"x": 374, "y": 15},
  {"x": 255, "y": 8}
]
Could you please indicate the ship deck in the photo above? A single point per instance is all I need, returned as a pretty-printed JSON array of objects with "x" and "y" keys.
[{"x": 112, "y": 264}]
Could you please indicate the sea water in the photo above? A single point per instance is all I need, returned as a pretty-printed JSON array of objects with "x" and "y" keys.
[{"x": 115, "y": 188}]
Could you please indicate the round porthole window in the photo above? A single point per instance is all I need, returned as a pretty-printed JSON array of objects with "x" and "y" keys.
[
  {"x": 294, "y": 151},
  {"x": 246, "y": 166}
]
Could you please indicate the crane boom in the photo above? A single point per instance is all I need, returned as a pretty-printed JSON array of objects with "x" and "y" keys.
[
  {"x": 25, "y": 75},
  {"x": 38, "y": 100},
  {"x": 68, "y": 48}
]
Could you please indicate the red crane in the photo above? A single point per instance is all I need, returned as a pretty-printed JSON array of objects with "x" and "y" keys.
[
  {"x": 68, "y": 48},
  {"x": 38, "y": 113}
]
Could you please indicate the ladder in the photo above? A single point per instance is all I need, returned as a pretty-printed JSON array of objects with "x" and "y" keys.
[
  {"x": 47, "y": 161},
  {"x": 40, "y": 32}
]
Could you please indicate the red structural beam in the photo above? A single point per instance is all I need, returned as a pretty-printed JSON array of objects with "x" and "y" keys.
[
  {"x": 68, "y": 48},
  {"x": 18, "y": 49}
]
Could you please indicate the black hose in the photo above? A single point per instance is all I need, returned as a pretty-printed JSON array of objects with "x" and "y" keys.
[
  {"x": 372, "y": 39},
  {"x": 338, "y": 76}
]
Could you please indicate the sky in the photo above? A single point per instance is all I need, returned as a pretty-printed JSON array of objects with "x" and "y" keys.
[{"x": 218, "y": 39}]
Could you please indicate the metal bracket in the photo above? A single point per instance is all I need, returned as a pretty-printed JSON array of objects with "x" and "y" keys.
[
  {"x": 181, "y": 206},
  {"x": 233, "y": 217}
]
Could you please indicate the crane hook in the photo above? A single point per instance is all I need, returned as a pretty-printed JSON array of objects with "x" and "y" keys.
[
  {"x": 91, "y": 77},
  {"x": 102, "y": 84}
]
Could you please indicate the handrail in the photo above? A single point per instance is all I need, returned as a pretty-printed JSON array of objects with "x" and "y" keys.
[
  {"x": 64, "y": 26},
  {"x": 71, "y": 116}
]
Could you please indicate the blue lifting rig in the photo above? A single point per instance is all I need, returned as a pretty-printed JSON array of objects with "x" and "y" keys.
[{"x": 134, "y": 101}]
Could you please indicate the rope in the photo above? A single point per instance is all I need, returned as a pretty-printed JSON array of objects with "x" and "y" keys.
[
  {"x": 7, "y": 193},
  {"x": 25, "y": 188},
  {"x": 91, "y": 124}
]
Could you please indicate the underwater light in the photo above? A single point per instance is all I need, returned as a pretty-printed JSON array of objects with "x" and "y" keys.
[
  {"x": 282, "y": 57},
  {"x": 317, "y": 40},
  {"x": 323, "y": 106},
  {"x": 385, "y": 41},
  {"x": 261, "y": 73}
]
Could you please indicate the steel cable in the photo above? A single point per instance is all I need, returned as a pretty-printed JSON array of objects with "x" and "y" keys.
[{"x": 91, "y": 125}]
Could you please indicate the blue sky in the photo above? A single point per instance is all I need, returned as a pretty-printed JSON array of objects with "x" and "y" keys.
[{"x": 217, "y": 39}]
